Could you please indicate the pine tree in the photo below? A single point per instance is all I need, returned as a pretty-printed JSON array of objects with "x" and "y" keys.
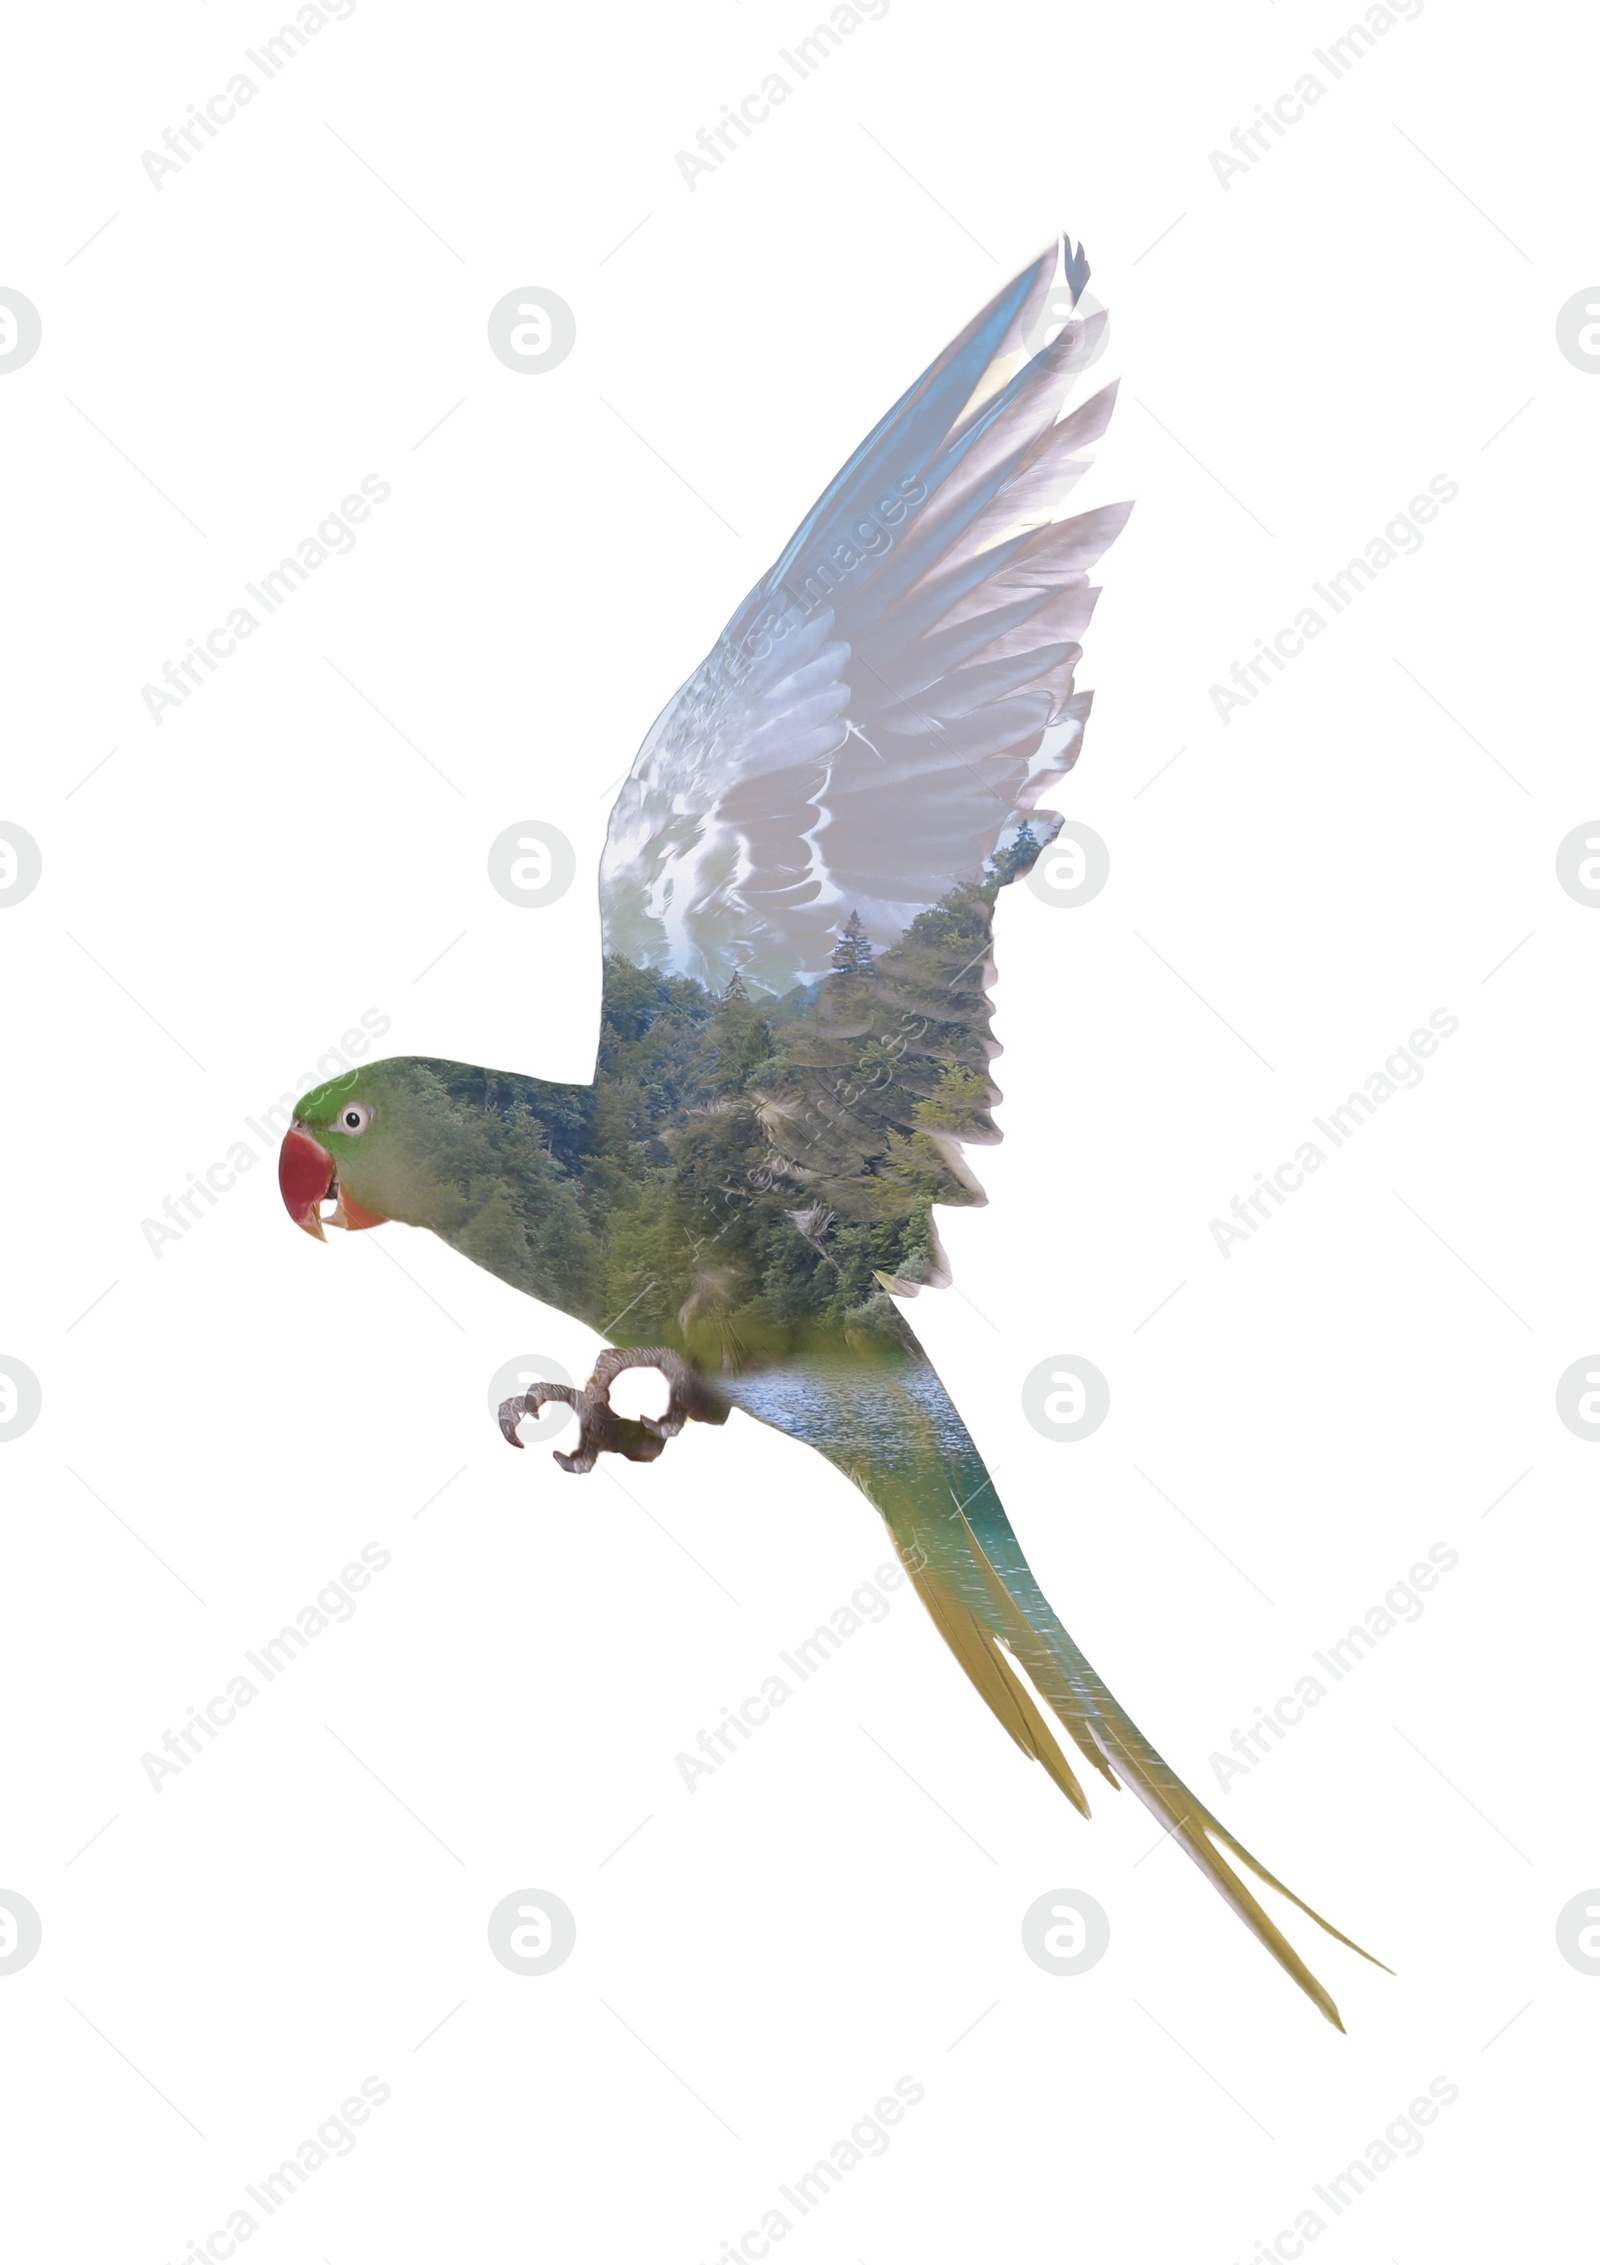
[
  {"x": 852, "y": 954},
  {"x": 1017, "y": 857}
]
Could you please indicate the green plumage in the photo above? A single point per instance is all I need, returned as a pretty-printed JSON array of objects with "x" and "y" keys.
[{"x": 742, "y": 1177}]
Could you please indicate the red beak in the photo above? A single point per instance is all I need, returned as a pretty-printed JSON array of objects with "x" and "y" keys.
[{"x": 307, "y": 1177}]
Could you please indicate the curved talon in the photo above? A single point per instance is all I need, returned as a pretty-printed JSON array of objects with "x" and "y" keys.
[
  {"x": 601, "y": 1431},
  {"x": 529, "y": 1403}
]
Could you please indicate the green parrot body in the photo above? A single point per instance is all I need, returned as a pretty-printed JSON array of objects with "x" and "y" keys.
[{"x": 798, "y": 896}]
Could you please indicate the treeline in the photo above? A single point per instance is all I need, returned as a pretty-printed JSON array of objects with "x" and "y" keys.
[{"x": 747, "y": 1174}]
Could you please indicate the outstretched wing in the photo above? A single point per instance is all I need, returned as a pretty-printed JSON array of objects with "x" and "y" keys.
[{"x": 883, "y": 711}]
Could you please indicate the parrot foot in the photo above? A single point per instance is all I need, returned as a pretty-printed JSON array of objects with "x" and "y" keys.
[{"x": 601, "y": 1431}]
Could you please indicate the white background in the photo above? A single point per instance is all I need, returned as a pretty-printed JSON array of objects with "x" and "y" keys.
[{"x": 1371, "y": 304}]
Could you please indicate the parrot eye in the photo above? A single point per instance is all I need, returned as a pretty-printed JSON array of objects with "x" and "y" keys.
[{"x": 355, "y": 1118}]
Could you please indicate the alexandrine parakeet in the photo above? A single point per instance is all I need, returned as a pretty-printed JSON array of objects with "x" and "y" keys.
[{"x": 797, "y": 893}]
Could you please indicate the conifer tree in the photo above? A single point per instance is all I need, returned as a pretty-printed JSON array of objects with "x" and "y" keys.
[
  {"x": 1016, "y": 857},
  {"x": 852, "y": 954}
]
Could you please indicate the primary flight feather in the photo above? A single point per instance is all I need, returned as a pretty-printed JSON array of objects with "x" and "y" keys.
[{"x": 797, "y": 896}]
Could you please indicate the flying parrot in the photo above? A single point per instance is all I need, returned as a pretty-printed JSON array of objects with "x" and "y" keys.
[{"x": 797, "y": 896}]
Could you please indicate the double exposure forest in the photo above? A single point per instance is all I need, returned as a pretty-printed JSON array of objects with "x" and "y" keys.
[{"x": 748, "y": 1174}]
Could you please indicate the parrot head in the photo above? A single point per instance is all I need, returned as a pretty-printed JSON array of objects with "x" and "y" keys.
[
  {"x": 381, "y": 1142},
  {"x": 338, "y": 1146},
  {"x": 450, "y": 1147},
  {"x": 405, "y": 1139}
]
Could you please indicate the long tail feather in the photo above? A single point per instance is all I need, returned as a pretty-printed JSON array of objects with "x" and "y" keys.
[
  {"x": 979, "y": 1652},
  {"x": 907, "y": 1450},
  {"x": 1125, "y": 1749}
]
